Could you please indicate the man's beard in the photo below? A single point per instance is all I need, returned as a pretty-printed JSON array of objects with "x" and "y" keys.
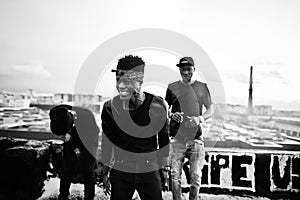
[{"x": 186, "y": 77}]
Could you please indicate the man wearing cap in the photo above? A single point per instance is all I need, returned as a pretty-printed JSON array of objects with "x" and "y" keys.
[
  {"x": 135, "y": 132},
  {"x": 78, "y": 129},
  {"x": 186, "y": 99}
]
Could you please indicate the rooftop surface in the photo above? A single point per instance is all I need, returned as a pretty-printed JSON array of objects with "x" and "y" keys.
[{"x": 51, "y": 192}]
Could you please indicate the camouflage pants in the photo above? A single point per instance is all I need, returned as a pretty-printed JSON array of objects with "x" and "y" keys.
[{"x": 196, "y": 161}]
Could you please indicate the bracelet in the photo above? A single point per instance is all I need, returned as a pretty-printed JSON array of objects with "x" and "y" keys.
[{"x": 201, "y": 118}]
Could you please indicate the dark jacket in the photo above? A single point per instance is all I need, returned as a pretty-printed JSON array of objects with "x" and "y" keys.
[
  {"x": 85, "y": 133},
  {"x": 135, "y": 134}
]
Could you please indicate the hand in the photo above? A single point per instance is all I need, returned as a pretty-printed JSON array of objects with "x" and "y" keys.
[
  {"x": 105, "y": 180},
  {"x": 66, "y": 137},
  {"x": 106, "y": 184},
  {"x": 190, "y": 146},
  {"x": 177, "y": 116},
  {"x": 192, "y": 122},
  {"x": 77, "y": 152},
  {"x": 165, "y": 162}
]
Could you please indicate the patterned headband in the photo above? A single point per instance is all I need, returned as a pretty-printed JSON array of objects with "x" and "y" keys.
[{"x": 129, "y": 75}]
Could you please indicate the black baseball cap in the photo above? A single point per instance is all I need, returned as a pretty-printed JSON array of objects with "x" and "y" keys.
[
  {"x": 185, "y": 61},
  {"x": 62, "y": 120}
]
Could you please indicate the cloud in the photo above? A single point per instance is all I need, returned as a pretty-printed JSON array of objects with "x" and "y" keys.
[
  {"x": 237, "y": 77},
  {"x": 267, "y": 62},
  {"x": 261, "y": 76},
  {"x": 38, "y": 70},
  {"x": 275, "y": 75},
  {"x": 265, "y": 71},
  {"x": 263, "y": 61},
  {"x": 267, "y": 77},
  {"x": 5, "y": 72}
]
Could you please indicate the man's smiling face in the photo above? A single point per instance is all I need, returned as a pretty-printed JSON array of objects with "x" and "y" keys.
[
  {"x": 127, "y": 88},
  {"x": 186, "y": 73}
]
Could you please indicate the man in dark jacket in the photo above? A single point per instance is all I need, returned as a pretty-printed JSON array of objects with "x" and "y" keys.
[
  {"x": 135, "y": 134},
  {"x": 78, "y": 129}
]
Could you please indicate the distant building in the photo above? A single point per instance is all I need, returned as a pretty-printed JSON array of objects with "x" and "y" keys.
[
  {"x": 236, "y": 109},
  {"x": 24, "y": 118},
  {"x": 263, "y": 110},
  {"x": 78, "y": 99},
  {"x": 63, "y": 97},
  {"x": 288, "y": 125},
  {"x": 287, "y": 113},
  {"x": 11, "y": 99},
  {"x": 44, "y": 100}
]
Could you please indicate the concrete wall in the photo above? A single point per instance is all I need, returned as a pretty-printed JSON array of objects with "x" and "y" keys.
[
  {"x": 273, "y": 174},
  {"x": 262, "y": 173}
]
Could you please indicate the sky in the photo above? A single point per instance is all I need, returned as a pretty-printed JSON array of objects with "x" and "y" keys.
[{"x": 43, "y": 44}]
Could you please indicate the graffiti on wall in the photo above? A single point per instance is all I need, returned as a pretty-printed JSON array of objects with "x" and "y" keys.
[
  {"x": 285, "y": 172},
  {"x": 234, "y": 171}
]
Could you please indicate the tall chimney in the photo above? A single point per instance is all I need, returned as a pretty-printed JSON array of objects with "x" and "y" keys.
[{"x": 250, "y": 101}]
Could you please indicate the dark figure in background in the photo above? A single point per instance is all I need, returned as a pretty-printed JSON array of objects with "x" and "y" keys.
[
  {"x": 134, "y": 127},
  {"x": 78, "y": 129}
]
